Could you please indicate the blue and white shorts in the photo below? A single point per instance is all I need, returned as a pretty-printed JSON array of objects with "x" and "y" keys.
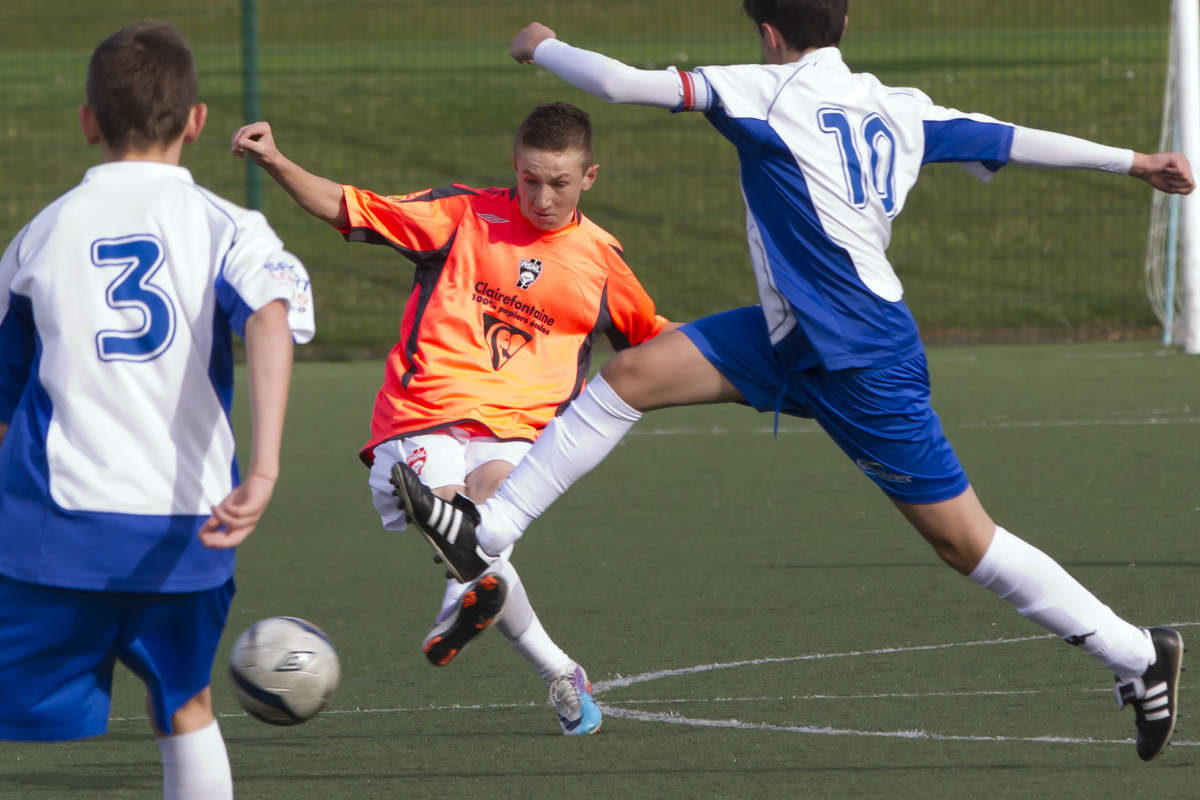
[
  {"x": 881, "y": 418},
  {"x": 58, "y": 648}
]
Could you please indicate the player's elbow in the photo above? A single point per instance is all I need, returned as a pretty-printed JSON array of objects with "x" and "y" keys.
[
  {"x": 610, "y": 91},
  {"x": 614, "y": 86}
]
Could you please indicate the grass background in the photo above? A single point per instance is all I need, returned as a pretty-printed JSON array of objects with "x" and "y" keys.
[
  {"x": 704, "y": 540},
  {"x": 732, "y": 546},
  {"x": 397, "y": 96}
]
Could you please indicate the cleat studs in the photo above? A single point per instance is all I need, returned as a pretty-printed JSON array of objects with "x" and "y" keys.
[{"x": 437, "y": 559}]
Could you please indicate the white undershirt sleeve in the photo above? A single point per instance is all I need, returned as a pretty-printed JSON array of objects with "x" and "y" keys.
[
  {"x": 1046, "y": 149},
  {"x": 618, "y": 82}
]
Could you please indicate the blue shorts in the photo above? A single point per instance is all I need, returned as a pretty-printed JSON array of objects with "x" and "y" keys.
[
  {"x": 58, "y": 648},
  {"x": 881, "y": 417}
]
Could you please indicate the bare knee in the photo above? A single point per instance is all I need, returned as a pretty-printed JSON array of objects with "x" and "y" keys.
[
  {"x": 958, "y": 530},
  {"x": 626, "y": 370},
  {"x": 193, "y": 715},
  {"x": 668, "y": 370},
  {"x": 959, "y": 553}
]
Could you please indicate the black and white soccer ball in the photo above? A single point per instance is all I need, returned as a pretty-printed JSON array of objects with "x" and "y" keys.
[{"x": 284, "y": 670}]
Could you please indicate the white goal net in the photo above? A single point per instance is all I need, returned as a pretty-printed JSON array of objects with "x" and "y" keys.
[{"x": 1173, "y": 243}]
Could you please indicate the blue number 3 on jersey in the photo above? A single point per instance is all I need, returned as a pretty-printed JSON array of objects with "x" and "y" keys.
[{"x": 140, "y": 257}]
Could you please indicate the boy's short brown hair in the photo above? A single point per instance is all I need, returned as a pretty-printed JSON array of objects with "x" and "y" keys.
[
  {"x": 555, "y": 127},
  {"x": 803, "y": 23},
  {"x": 141, "y": 85}
]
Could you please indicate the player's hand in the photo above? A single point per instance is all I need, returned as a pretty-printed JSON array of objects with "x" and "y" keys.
[
  {"x": 1167, "y": 172},
  {"x": 234, "y": 519},
  {"x": 257, "y": 140},
  {"x": 527, "y": 41}
]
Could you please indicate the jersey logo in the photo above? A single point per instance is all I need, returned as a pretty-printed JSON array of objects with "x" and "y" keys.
[
  {"x": 528, "y": 272},
  {"x": 483, "y": 215},
  {"x": 882, "y": 472},
  {"x": 504, "y": 340}
]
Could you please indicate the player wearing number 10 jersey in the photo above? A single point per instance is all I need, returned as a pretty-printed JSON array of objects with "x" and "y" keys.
[
  {"x": 827, "y": 157},
  {"x": 120, "y": 494}
]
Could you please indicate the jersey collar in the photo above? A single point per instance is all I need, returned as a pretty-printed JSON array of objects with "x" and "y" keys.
[
  {"x": 557, "y": 233},
  {"x": 123, "y": 169}
]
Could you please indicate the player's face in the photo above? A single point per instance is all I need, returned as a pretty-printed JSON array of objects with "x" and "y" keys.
[{"x": 549, "y": 184}]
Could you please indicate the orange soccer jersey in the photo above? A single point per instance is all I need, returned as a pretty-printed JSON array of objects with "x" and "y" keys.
[{"x": 499, "y": 327}]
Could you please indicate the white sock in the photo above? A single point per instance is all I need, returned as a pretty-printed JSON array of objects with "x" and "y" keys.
[
  {"x": 521, "y": 626},
  {"x": 569, "y": 447},
  {"x": 1045, "y": 593},
  {"x": 196, "y": 766},
  {"x": 454, "y": 592}
]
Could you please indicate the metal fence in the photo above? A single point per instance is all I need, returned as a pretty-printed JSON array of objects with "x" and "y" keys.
[{"x": 398, "y": 96}]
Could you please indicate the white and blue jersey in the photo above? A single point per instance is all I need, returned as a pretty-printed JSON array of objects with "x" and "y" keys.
[
  {"x": 828, "y": 158},
  {"x": 117, "y": 304}
]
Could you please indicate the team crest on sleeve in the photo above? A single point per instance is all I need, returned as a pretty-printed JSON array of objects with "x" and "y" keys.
[
  {"x": 503, "y": 339},
  {"x": 528, "y": 272},
  {"x": 293, "y": 277}
]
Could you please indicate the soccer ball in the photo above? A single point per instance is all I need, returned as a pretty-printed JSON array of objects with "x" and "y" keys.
[{"x": 284, "y": 670}]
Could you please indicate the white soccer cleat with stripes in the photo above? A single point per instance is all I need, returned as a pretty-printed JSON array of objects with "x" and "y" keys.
[
  {"x": 1154, "y": 695},
  {"x": 448, "y": 525}
]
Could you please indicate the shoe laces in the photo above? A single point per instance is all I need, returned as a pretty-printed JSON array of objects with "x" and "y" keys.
[{"x": 564, "y": 693}]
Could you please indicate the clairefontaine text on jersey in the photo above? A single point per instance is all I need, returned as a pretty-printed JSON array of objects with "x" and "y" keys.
[{"x": 511, "y": 305}]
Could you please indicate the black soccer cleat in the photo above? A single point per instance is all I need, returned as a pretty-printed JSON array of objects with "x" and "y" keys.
[
  {"x": 449, "y": 526},
  {"x": 1155, "y": 694},
  {"x": 478, "y": 608}
]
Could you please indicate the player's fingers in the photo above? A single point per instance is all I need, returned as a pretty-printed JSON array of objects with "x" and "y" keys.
[
  {"x": 239, "y": 518},
  {"x": 233, "y": 514},
  {"x": 227, "y": 539},
  {"x": 255, "y": 137},
  {"x": 238, "y": 136}
]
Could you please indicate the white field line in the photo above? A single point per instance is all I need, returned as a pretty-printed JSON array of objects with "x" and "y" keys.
[
  {"x": 675, "y": 719},
  {"x": 600, "y": 687}
]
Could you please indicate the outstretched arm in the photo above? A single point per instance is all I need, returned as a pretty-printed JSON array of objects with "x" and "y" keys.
[
  {"x": 1167, "y": 172},
  {"x": 269, "y": 364},
  {"x": 318, "y": 196},
  {"x": 598, "y": 74}
]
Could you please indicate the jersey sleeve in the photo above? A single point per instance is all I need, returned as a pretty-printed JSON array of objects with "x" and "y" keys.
[
  {"x": 420, "y": 222},
  {"x": 612, "y": 80},
  {"x": 629, "y": 307},
  {"x": 980, "y": 143},
  {"x": 744, "y": 91},
  {"x": 16, "y": 335},
  {"x": 258, "y": 271}
]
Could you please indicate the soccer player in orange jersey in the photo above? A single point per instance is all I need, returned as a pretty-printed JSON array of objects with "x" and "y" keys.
[{"x": 512, "y": 288}]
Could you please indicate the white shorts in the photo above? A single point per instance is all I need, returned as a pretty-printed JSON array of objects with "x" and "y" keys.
[{"x": 442, "y": 458}]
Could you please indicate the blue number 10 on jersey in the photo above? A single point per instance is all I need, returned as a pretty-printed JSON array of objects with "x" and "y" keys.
[{"x": 880, "y": 143}]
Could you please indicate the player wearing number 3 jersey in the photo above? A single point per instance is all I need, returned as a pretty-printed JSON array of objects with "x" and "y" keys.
[
  {"x": 827, "y": 158},
  {"x": 120, "y": 494}
]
